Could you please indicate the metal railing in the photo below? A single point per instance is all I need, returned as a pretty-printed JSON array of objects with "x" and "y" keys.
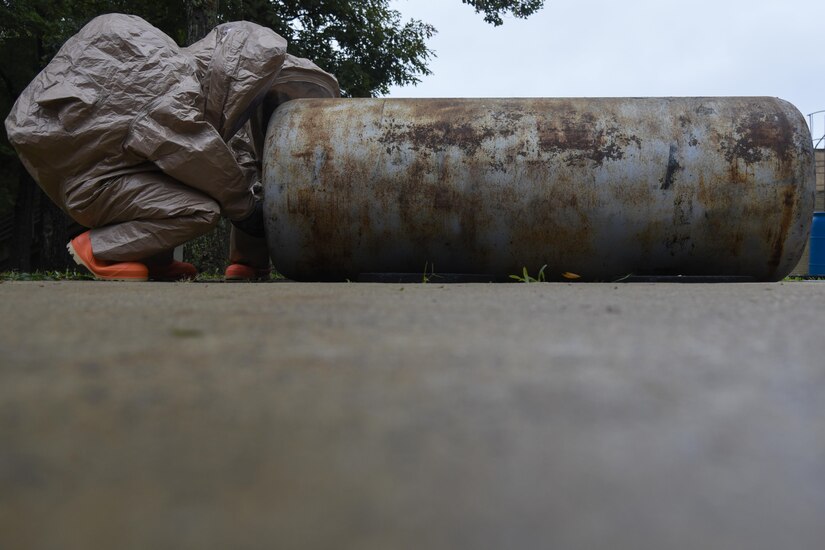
[{"x": 812, "y": 118}]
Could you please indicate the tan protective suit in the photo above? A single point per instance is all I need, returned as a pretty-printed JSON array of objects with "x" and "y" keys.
[
  {"x": 128, "y": 133},
  {"x": 298, "y": 78}
]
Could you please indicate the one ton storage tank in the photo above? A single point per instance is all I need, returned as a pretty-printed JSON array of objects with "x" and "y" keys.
[{"x": 599, "y": 187}]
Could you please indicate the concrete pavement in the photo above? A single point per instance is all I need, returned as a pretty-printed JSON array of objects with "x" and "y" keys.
[{"x": 287, "y": 415}]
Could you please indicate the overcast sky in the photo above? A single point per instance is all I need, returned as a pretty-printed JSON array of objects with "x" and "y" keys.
[{"x": 580, "y": 48}]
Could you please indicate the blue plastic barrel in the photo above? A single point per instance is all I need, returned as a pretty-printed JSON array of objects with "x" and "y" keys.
[{"x": 817, "y": 262}]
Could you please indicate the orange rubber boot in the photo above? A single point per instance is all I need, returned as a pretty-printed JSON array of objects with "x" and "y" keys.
[
  {"x": 173, "y": 271},
  {"x": 242, "y": 272},
  {"x": 248, "y": 258},
  {"x": 81, "y": 250}
]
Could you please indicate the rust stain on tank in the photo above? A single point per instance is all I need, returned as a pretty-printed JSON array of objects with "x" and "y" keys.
[
  {"x": 572, "y": 133},
  {"x": 737, "y": 175},
  {"x": 436, "y": 125},
  {"x": 735, "y": 244},
  {"x": 637, "y": 194},
  {"x": 436, "y": 136},
  {"x": 445, "y": 198},
  {"x": 758, "y": 133}
]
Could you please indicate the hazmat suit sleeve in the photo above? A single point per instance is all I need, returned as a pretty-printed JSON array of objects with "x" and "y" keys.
[{"x": 193, "y": 153}]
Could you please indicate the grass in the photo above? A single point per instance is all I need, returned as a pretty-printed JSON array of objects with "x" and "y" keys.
[
  {"x": 526, "y": 278},
  {"x": 217, "y": 277},
  {"x": 66, "y": 275},
  {"x": 427, "y": 275},
  {"x": 77, "y": 275}
]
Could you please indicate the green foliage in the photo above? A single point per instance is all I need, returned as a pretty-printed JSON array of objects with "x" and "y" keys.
[
  {"x": 210, "y": 252},
  {"x": 50, "y": 23},
  {"x": 493, "y": 10},
  {"x": 364, "y": 43},
  {"x": 526, "y": 278}
]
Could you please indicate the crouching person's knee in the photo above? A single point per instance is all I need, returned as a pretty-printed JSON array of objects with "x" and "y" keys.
[{"x": 207, "y": 216}]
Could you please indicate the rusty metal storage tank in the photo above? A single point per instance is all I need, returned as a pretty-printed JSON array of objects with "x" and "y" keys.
[{"x": 599, "y": 187}]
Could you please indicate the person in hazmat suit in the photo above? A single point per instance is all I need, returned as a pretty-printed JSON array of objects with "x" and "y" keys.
[{"x": 129, "y": 134}]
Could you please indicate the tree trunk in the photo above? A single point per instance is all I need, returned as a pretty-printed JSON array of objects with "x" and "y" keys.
[
  {"x": 21, "y": 249},
  {"x": 41, "y": 229},
  {"x": 56, "y": 230},
  {"x": 201, "y": 16}
]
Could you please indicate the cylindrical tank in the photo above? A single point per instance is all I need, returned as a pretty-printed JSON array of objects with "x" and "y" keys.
[
  {"x": 602, "y": 188},
  {"x": 817, "y": 258}
]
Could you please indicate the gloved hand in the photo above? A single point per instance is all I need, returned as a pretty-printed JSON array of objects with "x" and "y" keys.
[{"x": 253, "y": 225}]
